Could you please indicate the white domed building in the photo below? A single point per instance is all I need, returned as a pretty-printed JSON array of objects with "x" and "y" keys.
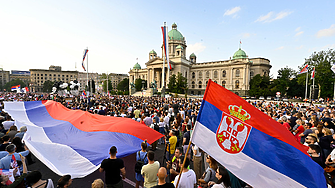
[{"x": 233, "y": 74}]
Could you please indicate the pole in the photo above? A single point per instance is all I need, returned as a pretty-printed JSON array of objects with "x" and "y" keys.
[
  {"x": 182, "y": 166},
  {"x": 167, "y": 52},
  {"x": 87, "y": 68},
  {"x": 306, "y": 85},
  {"x": 107, "y": 83},
  {"x": 163, "y": 72},
  {"x": 313, "y": 87}
]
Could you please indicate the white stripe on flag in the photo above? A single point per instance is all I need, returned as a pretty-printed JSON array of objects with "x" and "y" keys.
[{"x": 240, "y": 164}]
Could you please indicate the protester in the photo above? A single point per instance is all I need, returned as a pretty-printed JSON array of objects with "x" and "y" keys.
[
  {"x": 141, "y": 156},
  {"x": 34, "y": 180},
  {"x": 64, "y": 182},
  {"x": 98, "y": 183},
  {"x": 188, "y": 177},
  {"x": 18, "y": 181},
  {"x": 209, "y": 174},
  {"x": 162, "y": 175},
  {"x": 223, "y": 179},
  {"x": 149, "y": 171}
]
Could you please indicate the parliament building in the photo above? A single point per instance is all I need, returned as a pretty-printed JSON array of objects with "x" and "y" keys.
[{"x": 233, "y": 74}]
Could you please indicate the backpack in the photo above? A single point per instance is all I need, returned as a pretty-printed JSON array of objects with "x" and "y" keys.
[
  {"x": 156, "y": 127},
  {"x": 139, "y": 163}
]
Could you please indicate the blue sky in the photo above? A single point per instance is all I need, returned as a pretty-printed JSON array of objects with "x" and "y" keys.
[{"x": 37, "y": 34}]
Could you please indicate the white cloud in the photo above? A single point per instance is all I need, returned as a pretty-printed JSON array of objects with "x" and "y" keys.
[
  {"x": 280, "y": 48},
  {"x": 270, "y": 17},
  {"x": 299, "y": 47},
  {"x": 299, "y": 33},
  {"x": 232, "y": 11},
  {"x": 326, "y": 32},
  {"x": 298, "y": 29},
  {"x": 246, "y": 35},
  {"x": 196, "y": 48}
]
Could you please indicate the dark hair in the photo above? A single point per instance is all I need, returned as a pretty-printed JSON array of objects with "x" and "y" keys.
[
  {"x": 151, "y": 155},
  {"x": 187, "y": 161},
  {"x": 17, "y": 141},
  {"x": 180, "y": 149},
  {"x": 316, "y": 148},
  {"x": 10, "y": 148},
  {"x": 64, "y": 180},
  {"x": 33, "y": 177},
  {"x": 144, "y": 145},
  {"x": 113, "y": 150},
  {"x": 5, "y": 138},
  {"x": 188, "y": 127},
  {"x": 225, "y": 179}
]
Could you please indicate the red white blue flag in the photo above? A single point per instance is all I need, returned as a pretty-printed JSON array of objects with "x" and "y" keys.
[
  {"x": 82, "y": 64},
  {"x": 166, "y": 45},
  {"x": 304, "y": 70},
  {"x": 73, "y": 141},
  {"x": 252, "y": 145},
  {"x": 15, "y": 88},
  {"x": 313, "y": 73},
  {"x": 13, "y": 162}
]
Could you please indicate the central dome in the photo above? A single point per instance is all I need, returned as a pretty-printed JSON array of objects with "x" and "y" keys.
[
  {"x": 137, "y": 66},
  {"x": 240, "y": 54},
  {"x": 174, "y": 34}
]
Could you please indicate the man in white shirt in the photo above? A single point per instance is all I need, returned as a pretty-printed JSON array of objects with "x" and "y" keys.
[
  {"x": 8, "y": 123},
  {"x": 188, "y": 178},
  {"x": 150, "y": 170}
]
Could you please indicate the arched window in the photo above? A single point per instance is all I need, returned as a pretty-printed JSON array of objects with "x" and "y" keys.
[
  {"x": 251, "y": 74},
  {"x": 224, "y": 74},
  {"x": 193, "y": 84},
  {"x": 200, "y": 84},
  {"x": 193, "y": 74},
  {"x": 207, "y": 74},
  {"x": 215, "y": 74},
  {"x": 200, "y": 74},
  {"x": 224, "y": 84},
  {"x": 237, "y": 73},
  {"x": 237, "y": 84}
]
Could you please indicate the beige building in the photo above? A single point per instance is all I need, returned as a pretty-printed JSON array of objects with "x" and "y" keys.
[
  {"x": 233, "y": 74},
  {"x": 24, "y": 76},
  {"x": 82, "y": 78},
  {"x": 4, "y": 77},
  {"x": 116, "y": 78},
  {"x": 55, "y": 73}
]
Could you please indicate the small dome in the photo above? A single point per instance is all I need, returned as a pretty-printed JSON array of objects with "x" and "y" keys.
[
  {"x": 179, "y": 47},
  {"x": 193, "y": 55},
  {"x": 137, "y": 66},
  {"x": 239, "y": 54},
  {"x": 152, "y": 52},
  {"x": 174, "y": 34}
]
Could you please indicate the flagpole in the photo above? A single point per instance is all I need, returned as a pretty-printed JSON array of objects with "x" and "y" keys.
[
  {"x": 87, "y": 67},
  {"x": 167, "y": 53},
  {"x": 163, "y": 72},
  {"x": 306, "y": 85}
]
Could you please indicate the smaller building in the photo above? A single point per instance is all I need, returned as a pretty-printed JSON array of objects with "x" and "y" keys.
[
  {"x": 82, "y": 79},
  {"x": 116, "y": 78},
  {"x": 24, "y": 76},
  {"x": 4, "y": 77}
]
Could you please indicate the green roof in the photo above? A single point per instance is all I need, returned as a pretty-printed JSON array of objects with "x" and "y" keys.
[
  {"x": 152, "y": 52},
  {"x": 193, "y": 55},
  {"x": 174, "y": 34},
  {"x": 179, "y": 46},
  {"x": 239, "y": 54},
  {"x": 137, "y": 66}
]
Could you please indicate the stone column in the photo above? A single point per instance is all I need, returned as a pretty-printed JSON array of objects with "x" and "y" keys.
[{"x": 231, "y": 78}]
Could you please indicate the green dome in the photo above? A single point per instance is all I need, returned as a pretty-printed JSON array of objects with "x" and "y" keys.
[
  {"x": 193, "y": 55},
  {"x": 239, "y": 54},
  {"x": 174, "y": 34},
  {"x": 152, "y": 52},
  {"x": 137, "y": 66},
  {"x": 179, "y": 47}
]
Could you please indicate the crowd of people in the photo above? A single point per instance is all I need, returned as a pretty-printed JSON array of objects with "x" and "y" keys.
[{"x": 311, "y": 124}]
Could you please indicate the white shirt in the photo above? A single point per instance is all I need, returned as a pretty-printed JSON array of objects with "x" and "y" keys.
[
  {"x": 196, "y": 148},
  {"x": 7, "y": 124},
  {"x": 187, "y": 180}
]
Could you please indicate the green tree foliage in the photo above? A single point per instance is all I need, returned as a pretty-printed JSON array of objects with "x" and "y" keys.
[
  {"x": 178, "y": 84},
  {"x": 324, "y": 77},
  {"x": 15, "y": 82},
  {"x": 138, "y": 84},
  {"x": 260, "y": 86},
  {"x": 123, "y": 85},
  {"x": 91, "y": 85},
  {"x": 286, "y": 83},
  {"x": 47, "y": 86},
  {"x": 104, "y": 85}
]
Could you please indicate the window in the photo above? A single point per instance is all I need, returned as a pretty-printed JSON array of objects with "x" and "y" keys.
[
  {"x": 193, "y": 84},
  {"x": 200, "y": 84},
  {"x": 45, "y": 74},
  {"x": 215, "y": 74},
  {"x": 200, "y": 74},
  {"x": 207, "y": 74},
  {"x": 251, "y": 74},
  {"x": 224, "y": 74},
  {"x": 237, "y": 73},
  {"x": 193, "y": 74},
  {"x": 67, "y": 75},
  {"x": 224, "y": 84},
  {"x": 186, "y": 74},
  {"x": 237, "y": 84},
  {"x": 54, "y": 75}
]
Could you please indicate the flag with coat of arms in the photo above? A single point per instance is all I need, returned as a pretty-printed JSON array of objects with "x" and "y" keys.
[{"x": 252, "y": 145}]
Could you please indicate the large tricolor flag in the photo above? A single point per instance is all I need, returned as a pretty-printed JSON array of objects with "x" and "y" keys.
[
  {"x": 15, "y": 88},
  {"x": 166, "y": 45},
  {"x": 73, "y": 141},
  {"x": 313, "y": 73},
  {"x": 85, "y": 53},
  {"x": 251, "y": 144},
  {"x": 304, "y": 70}
]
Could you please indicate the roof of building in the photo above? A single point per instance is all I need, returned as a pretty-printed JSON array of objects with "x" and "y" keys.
[
  {"x": 137, "y": 66},
  {"x": 240, "y": 54},
  {"x": 193, "y": 55},
  {"x": 174, "y": 34},
  {"x": 179, "y": 47},
  {"x": 152, "y": 52}
]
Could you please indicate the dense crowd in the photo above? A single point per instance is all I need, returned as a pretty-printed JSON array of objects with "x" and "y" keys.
[{"x": 311, "y": 124}]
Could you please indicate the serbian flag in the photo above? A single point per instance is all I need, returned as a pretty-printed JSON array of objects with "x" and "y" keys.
[
  {"x": 27, "y": 89},
  {"x": 73, "y": 141},
  {"x": 9, "y": 173},
  {"x": 166, "y": 45},
  {"x": 82, "y": 64},
  {"x": 15, "y": 88},
  {"x": 304, "y": 70},
  {"x": 251, "y": 144},
  {"x": 313, "y": 73},
  {"x": 84, "y": 93}
]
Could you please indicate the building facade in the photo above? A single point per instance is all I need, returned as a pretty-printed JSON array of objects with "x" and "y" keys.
[
  {"x": 4, "y": 77},
  {"x": 116, "y": 78},
  {"x": 233, "y": 74},
  {"x": 24, "y": 76},
  {"x": 82, "y": 79}
]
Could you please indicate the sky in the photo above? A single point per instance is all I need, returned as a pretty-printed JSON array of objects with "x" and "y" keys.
[{"x": 35, "y": 34}]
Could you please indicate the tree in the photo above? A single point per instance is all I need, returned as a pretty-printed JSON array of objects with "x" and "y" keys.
[
  {"x": 123, "y": 85},
  {"x": 260, "y": 86},
  {"x": 47, "y": 86},
  {"x": 91, "y": 85},
  {"x": 324, "y": 77},
  {"x": 15, "y": 82},
  {"x": 104, "y": 85},
  {"x": 178, "y": 84},
  {"x": 138, "y": 84},
  {"x": 283, "y": 82}
]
